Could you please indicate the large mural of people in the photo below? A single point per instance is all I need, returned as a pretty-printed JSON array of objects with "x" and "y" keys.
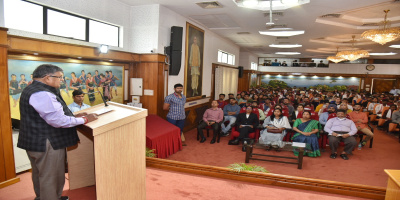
[{"x": 89, "y": 78}]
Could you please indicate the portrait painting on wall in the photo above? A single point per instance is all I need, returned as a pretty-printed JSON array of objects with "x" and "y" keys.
[
  {"x": 89, "y": 78},
  {"x": 193, "y": 61}
]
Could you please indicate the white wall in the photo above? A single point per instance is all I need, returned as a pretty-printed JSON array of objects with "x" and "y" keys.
[
  {"x": 111, "y": 11},
  {"x": 144, "y": 28},
  {"x": 212, "y": 44},
  {"x": 246, "y": 58},
  {"x": 391, "y": 69}
]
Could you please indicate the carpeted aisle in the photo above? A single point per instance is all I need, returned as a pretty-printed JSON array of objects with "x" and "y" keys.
[
  {"x": 167, "y": 185},
  {"x": 364, "y": 166}
]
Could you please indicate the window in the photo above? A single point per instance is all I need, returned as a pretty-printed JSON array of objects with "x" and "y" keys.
[
  {"x": 254, "y": 66},
  {"x": 103, "y": 33},
  {"x": 22, "y": 15},
  {"x": 227, "y": 58},
  {"x": 66, "y": 25},
  {"x": 32, "y": 17}
]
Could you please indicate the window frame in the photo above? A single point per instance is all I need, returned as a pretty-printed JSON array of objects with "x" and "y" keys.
[{"x": 87, "y": 20}]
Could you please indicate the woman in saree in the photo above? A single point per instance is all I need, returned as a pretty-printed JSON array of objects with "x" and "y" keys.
[
  {"x": 276, "y": 122},
  {"x": 307, "y": 131}
]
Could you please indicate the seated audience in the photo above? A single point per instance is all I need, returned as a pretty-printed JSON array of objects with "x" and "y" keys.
[
  {"x": 344, "y": 106},
  {"x": 230, "y": 113},
  {"x": 307, "y": 132},
  {"x": 78, "y": 104},
  {"x": 341, "y": 129},
  {"x": 371, "y": 106},
  {"x": 271, "y": 123},
  {"x": 212, "y": 117},
  {"x": 221, "y": 101},
  {"x": 396, "y": 118},
  {"x": 246, "y": 124},
  {"x": 361, "y": 121},
  {"x": 379, "y": 109},
  {"x": 254, "y": 104},
  {"x": 286, "y": 103},
  {"x": 325, "y": 115},
  {"x": 387, "y": 115}
]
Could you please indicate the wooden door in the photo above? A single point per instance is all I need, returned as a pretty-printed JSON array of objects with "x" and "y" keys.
[{"x": 383, "y": 85}]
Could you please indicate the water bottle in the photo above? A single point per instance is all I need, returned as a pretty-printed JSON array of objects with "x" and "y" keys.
[{"x": 359, "y": 146}]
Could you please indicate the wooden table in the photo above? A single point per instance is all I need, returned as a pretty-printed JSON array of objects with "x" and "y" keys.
[
  {"x": 393, "y": 186},
  {"x": 298, "y": 160}
]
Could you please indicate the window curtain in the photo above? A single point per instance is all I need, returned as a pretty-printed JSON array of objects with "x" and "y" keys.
[{"x": 226, "y": 81}]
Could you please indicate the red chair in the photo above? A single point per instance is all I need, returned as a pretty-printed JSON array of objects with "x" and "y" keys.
[
  {"x": 254, "y": 135},
  {"x": 208, "y": 128}
]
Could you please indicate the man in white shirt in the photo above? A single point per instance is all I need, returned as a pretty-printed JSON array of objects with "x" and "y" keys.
[
  {"x": 78, "y": 104},
  {"x": 379, "y": 107},
  {"x": 372, "y": 105}
]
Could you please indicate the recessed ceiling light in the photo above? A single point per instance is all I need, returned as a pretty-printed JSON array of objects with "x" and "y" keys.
[
  {"x": 79, "y": 57},
  {"x": 395, "y": 46},
  {"x": 281, "y": 33},
  {"x": 285, "y": 45},
  {"x": 24, "y": 54},
  {"x": 280, "y": 29},
  {"x": 315, "y": 76},
  {"x": 288, "y": 53},
  {"x": 302, "y": 76},
  {"x": 382, "y": 54},
  {"x": 35, "y": 54},
  {"x": 110, "y": 60},
  {"x": 290, "y": 76}
]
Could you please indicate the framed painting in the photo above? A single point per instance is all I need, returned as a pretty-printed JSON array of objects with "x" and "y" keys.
[
  {"x": 193, "y": 61},
  {"x": 89, "y": 77}
]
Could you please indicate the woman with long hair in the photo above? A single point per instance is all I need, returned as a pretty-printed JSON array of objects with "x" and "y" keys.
[{"x": 275, "y": 130}]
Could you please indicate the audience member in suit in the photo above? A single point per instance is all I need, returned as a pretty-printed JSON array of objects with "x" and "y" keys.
[
  {"x": 212, "y": 117},
  {"x": 47, "y": 129},
  {"x": 246, "y": 123}
]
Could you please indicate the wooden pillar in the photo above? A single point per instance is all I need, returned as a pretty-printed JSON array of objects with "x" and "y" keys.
[
  {"x": 7, "y": 165},
  {"x": 152, "y": 69}
]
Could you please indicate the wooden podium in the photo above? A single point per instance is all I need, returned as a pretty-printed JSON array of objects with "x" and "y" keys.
[{"x": 111, "y": 153}]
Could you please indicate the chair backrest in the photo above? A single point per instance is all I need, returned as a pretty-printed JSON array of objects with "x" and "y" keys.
[
  {"x": 385, "y": 109},
  {"x": 374, "y": 111}
]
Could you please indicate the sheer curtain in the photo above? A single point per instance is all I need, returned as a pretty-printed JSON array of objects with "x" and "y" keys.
[{"x": 226, "y": 81}]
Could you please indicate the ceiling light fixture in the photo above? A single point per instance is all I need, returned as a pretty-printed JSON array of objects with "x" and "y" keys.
[
  {"x": 290, "y": 1},
  {"x": 395, "y": 46},
  {"x": 285, "y": 45},
  {"x": 287, "y": 53},
  {"x": 250, "y": 3},
  {"x": 281, "y": 33},
  {"x": 335, "y": 58},
  {"x": 383, "y": 35},
  {"x": 353, "y": 54},
  {"x": 382, "y": 54}
]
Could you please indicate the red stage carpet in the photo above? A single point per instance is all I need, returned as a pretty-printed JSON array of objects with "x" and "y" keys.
[
  {"x": 168, "y": 185},
  {"x": 364, "y": 167}
]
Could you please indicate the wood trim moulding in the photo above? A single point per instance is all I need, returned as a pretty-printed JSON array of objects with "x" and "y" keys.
[
  {"x": 317, "y": 185},
  {"x": 155, "y": 58},
  {"x": 221, "y": 65},
  {"x": 20, "y": 44},
  {"x": 9, "y": 182}
]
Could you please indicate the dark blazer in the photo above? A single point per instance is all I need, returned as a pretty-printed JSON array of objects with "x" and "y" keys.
[{"x": 242, "y": 120}]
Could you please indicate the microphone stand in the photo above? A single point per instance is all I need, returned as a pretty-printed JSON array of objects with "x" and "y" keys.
[{"x": 102, "y": 97}]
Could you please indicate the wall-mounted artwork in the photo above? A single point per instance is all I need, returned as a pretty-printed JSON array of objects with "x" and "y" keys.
[
  {"x": 253, "y": 80},
  {"x": 314, "y": 82},
  {"x": 89, "y": 78},
  {"x": 194, "y": 61}
]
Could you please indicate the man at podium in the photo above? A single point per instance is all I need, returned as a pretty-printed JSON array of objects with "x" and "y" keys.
[{"x": 47, "y": 128}]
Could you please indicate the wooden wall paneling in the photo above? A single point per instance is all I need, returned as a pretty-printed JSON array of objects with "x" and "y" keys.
[
  {"x": 151, "y": 68},
  {"x": 195, "y": 115},
  {"x": 7, "y": 165},
  {"x": 244, "y": 82}
]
